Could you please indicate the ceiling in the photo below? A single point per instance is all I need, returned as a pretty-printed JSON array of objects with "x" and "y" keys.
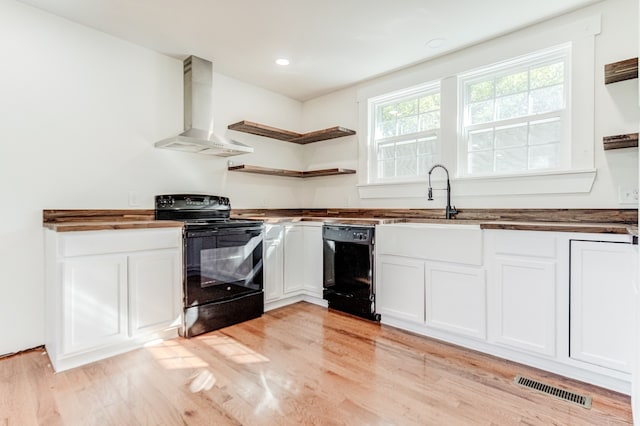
[{"x": 331, "y": 43}]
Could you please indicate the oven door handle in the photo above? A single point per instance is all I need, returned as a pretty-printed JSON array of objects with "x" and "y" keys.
[{"x": 257, "y": 230}]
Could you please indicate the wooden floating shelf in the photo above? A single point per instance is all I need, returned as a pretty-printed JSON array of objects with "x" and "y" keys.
[
  {"x": 288, "y": 136},
  {"x": 620, "y": 71},
  {"x": 620, "y": 141},
  {"x": 289, "y": 173}
]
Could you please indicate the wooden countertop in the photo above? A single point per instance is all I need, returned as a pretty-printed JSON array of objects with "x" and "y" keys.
[
  {"x": 578, "y": 220},
  {"x": 590, "y": 228},
  {"x": 101, "y": 226}
]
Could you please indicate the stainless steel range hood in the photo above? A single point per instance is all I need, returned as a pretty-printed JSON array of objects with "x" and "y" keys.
[{"x": 198, "y": 118}]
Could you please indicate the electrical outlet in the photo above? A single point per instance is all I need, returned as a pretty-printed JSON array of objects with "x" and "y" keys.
[
  {"x": 627, "y": 195},
  {"x": 134, "y": 199}
]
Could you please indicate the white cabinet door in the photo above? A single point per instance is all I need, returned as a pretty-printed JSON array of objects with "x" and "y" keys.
[
  {"x": 313, "y": 260},
  {"x": 154, "y": 291},
  {"x": 400, "y": 288},
  {"x": 602, "y": 303},
  {"x": 293, "y": 259},
  {"x": 525, "y": 303},
  {"x": 456, "y": 299},
  {"x": 273, "y": 262},
  {"x": 94, "y": 302}
]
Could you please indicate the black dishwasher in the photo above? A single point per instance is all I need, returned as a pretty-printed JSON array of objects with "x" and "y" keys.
[{"x": 348, "y": 279}]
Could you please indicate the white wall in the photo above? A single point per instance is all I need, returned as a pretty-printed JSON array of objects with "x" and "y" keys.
[
  {"x": 616, "y": 112},
  {"x": 79, "y": 114}
]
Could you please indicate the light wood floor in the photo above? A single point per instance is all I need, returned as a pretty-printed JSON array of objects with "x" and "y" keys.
[{"x": 298, "y": 365}]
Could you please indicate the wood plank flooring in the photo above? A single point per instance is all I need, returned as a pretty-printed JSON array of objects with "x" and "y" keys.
[{"x": 298, "y": 365}]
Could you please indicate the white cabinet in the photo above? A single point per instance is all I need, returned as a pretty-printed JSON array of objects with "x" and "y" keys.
[
  {"x": 312, "y": 275},
  {"x": 292, "y": 264},
  {"x": 456, "y": 299},
  {"x": 110, "y": 291},
  {"x": 154, "y": 297},
  {"x": 431, "y": 275},
  {"x": 94, "y": 301},
  {"x": 400, "y": 288},
  {"x": 523, "y": 289},
  {"x": 293, "y": 259},
  {"x": 524, "y": 292},
  {"x": 273, "y": 262},
  {"x": 602, "y": 326}
]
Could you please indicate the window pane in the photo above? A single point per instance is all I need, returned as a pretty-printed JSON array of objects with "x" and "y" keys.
[
  {"x": 547, "y": 99},
  {"x": 481, "y": 112},
  {"x": 430, "y": 121},
  {"x": 387, "y": 168},
  {"x": 502, "y": 108},
  {"x": 429, "y": 103},
  {"x": 407, "y": 166},
  {"x": 510, "y": 84},
  {"x": 547, "y": 75},
  {"x": 480, "y": 91},
  {"x": 425, "y": 162},
  {"x": 511, "y": 136},
  {"x": 407, "y": 125},
  {"x": 386, "y": 129},
  {"x": 407, "y": 108},
  {"x": 480, "y": 140},
  {"x": 545, "y": 131},
  {"x": 406, "y": 149},
  {"x": 386, "y": 152},
  {"x": 387, "y": 112},
  {"x": 512, "y": 106},
  {"x": 544, "y": 156},
  {"x": 428, "y": 146},
  {"x": 510, "y": 160},
  {"x": 480, "y": 162}
]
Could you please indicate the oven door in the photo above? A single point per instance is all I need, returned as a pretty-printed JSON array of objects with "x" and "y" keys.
[{"x": 222, "y": 264}]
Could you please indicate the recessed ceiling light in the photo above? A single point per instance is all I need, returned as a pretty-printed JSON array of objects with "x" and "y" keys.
[
  {"x": 282, "y": 62},
  {"x": 434, "y": 43}
]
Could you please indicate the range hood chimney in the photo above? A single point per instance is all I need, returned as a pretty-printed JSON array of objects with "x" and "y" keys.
[{"x": 198, "y": 118}]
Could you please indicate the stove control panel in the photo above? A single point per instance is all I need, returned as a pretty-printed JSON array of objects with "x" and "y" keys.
[{"x": 192, "y": 202}]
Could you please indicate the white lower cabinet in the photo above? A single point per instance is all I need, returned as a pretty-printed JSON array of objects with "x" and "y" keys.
[
  {"x": 559, "y": 301},
  {"x": 312, "y": 261},
  {"x": 273, "y": 262},
  {"x": 400, "y": 288},
  {"x": 430, "y": 278},
  {"x": 293, "y": 259},
  {"x": 524, "y": 292},
  {"x": 152, "y": 278},
  {"x": 110, "y": 291},
  {"x": 94, "y": 302},
  {"x": 456, "y": 299},
  {"x": 292, "y": 263},
  {"x": 602, "y": 304}
]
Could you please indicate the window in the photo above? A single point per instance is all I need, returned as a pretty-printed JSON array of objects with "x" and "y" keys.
[
  {"x": 513, "y": 115},
  {"x": 405, "y": 133}
]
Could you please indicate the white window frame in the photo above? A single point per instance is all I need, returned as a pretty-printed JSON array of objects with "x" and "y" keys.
[
  {"x": 420, "y": 90},
  {"x": 579, "y": 178},
  {"x": 560, "y": 53}
]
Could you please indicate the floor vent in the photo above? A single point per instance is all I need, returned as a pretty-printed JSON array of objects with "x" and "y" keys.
[{"x": 581, "y": 400}]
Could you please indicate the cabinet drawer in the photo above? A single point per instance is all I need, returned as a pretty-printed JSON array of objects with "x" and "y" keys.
[{"x": 119, "y": 241}]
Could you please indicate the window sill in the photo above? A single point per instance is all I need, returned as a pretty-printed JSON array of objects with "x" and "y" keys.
[{"x": 556, "y": 182}]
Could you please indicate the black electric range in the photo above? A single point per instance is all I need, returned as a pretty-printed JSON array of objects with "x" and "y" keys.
[{"x": 222, "y": 268}]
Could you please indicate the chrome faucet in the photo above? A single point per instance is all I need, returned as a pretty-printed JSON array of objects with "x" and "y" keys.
[{"x": 449, "y": 210}]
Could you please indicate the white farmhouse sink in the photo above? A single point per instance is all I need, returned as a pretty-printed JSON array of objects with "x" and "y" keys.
[{"x": 444, "y": 242}]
